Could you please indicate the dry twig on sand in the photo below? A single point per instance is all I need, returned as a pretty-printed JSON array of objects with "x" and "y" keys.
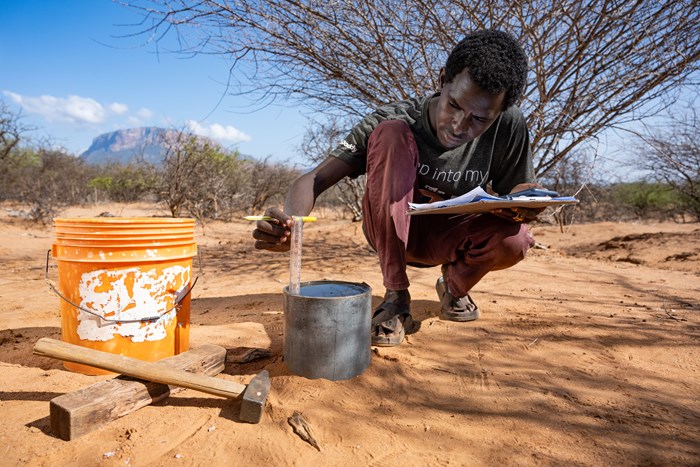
[{"x": 303, "y": 429}]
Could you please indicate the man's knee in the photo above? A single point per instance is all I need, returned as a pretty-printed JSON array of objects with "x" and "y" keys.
[
  {"x": 393, "y": 139},
  {"x": 514, "y": 247},
  {"x": 392, "y": 132},
  {"x": 392, "y": 161}
]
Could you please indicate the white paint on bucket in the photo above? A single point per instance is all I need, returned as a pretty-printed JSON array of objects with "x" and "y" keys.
[{"x": 107, "y": 294}]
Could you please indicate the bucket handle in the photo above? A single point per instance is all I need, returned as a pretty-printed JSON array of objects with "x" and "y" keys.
[{"x": 53, "y": 288}]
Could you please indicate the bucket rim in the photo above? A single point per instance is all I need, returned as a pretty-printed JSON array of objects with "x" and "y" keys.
[
  {"x": 131, "y": 244},
  {"x": 366, "y": 288},
  {"x": 104, "y": 254},
  {"x": 122, "y": 241},
  {"x": 123, "y": 235},
  {"x": 122, "y": 232},
  {"x": 117, "y": 221}
]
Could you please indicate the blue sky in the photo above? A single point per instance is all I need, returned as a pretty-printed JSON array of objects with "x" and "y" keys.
[{"x": 66, "y": 68}]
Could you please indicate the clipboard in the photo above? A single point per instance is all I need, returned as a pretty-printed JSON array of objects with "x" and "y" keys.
[{"x": 478, "y": 201}]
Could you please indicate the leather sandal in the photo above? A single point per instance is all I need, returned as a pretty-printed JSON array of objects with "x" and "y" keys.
[
  {"x": 391, "y": 320},
  {"x": 455, "y": 309}
]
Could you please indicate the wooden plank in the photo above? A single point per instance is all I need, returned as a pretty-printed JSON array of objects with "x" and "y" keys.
[
  {"x": 77, "y": 413},
  {"x": 128, "y": 366}
]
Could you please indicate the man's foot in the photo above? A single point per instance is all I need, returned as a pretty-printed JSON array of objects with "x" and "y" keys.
[
  {"x": 392, "y": 319},
  {"x": 455, "y": 309}
]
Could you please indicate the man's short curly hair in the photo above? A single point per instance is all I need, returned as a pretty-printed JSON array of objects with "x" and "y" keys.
[{"x": 495, "y": 62}]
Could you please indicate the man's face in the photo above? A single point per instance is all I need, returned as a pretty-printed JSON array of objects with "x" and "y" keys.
[{"x": 463, "y": 111}]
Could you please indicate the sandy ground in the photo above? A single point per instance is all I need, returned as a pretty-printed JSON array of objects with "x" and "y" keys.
[{"x": 586, "y": 354}]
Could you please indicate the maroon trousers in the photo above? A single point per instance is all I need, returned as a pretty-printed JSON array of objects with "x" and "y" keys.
[{"x": 470, "y": 245}]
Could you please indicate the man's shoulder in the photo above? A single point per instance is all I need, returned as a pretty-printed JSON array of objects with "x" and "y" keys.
[
  {"x": 410, "y": 106},
  {"x": 513, "y": 116},
  {"x": 510, "y": 123}
]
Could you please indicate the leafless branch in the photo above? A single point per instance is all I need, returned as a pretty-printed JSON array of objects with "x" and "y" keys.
[{"x": 594, "y": 64}]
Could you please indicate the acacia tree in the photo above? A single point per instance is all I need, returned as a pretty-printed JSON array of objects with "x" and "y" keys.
[
  {"x": 264, "y": 181},
  {"x": 198, "y": 176},
  {"x": 672, "y": 156},
  {"x": 594, "y": 64},
  {"x": 176, "y": 167},
  {"x": 11, "y": 131}
]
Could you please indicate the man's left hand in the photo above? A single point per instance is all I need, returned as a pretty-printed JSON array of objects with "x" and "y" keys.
[{"x": 519, "y": 214}]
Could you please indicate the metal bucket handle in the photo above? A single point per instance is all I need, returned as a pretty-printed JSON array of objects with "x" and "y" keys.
[{"x": 53, "y": 288}]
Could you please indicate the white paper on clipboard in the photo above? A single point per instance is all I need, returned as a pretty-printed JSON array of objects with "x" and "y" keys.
[{"x": 478, "y": 201}]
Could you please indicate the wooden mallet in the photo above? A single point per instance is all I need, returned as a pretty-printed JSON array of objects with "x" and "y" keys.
[{"x": 253, "y": 396}]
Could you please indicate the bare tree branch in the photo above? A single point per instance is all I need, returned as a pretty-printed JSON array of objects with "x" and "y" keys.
[
  {"x": 595, "y": 64},
  {"x": 11, "y": 131},
  {"x": 672, "y": 156}
]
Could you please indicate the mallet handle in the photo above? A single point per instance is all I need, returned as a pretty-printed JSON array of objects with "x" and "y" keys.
[{"x": 150, "y": 371}]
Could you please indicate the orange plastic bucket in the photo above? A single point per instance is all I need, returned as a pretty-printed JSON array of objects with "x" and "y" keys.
[{"x": 124, "y": 284}]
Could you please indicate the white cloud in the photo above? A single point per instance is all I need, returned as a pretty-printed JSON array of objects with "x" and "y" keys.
[
  {"x": 73, "y": 109},
  {"x": 218, "y": 132},
  {"x": 144, "y": 113},
  {"x": 142, "y": 116},
  {"x": 118, "y": 108}
]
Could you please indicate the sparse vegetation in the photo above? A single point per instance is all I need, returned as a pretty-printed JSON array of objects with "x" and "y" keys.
[
  {"x": 206, "y": 181},
  {"x": 197, "y": 178},
  {"x": 671, "y": 153},
  {"x": 44, "y": 180},
  {"x": 646, "y": 199},
  {"x": 123, "y": 183},
  {"x": 209, "y": 183}
]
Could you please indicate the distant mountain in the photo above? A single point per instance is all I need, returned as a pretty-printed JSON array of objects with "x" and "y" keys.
[{"x": 128, "y": 145}]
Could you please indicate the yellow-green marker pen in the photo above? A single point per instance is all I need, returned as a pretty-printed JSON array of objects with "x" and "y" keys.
[{"x": 269, "y": 218}]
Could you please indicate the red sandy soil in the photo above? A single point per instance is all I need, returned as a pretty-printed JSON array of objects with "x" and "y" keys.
[{"x": 586, "y": 354}]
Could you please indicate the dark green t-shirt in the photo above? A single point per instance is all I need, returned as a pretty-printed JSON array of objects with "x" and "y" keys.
[{"x": 500, "y": 157}]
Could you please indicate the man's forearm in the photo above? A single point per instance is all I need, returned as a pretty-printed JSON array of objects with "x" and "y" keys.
[{"x": 305, "y": 189}]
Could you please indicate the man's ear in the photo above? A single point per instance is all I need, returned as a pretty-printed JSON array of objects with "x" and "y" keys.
[{"x": 441, "y": 78}]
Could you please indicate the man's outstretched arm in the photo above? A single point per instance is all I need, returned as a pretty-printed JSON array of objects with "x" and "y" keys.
[{"x": 274, "y": 234}]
